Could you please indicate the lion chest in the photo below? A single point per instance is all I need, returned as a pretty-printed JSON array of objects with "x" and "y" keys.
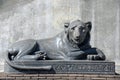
[{"x": 63, "y": 49}]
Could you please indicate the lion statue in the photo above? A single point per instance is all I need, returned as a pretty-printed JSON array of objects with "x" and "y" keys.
[{"x": 71, "y": 44}]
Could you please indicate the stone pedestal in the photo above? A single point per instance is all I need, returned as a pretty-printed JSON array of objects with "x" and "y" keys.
[{"x": 66, "y": 67}]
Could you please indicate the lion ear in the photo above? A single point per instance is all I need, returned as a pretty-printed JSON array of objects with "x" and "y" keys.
[
  {"x": 89, "y": 25},
  {"x": 66, "y": 25}
]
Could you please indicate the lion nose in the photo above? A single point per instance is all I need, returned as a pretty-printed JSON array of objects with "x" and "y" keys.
[
  {"x": 77, "y": 34},
  {"x": 77, "y": 37}
]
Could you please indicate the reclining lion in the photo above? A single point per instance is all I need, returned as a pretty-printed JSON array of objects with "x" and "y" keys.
[{"x": 71, "y": 44}]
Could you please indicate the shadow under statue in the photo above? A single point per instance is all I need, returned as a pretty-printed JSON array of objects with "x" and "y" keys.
[{"x": 72, "y": 44}]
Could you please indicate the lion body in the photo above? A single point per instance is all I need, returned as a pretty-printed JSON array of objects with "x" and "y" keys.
[
  {"x": 71, "y": 44},
  {"x": 56, "y": 48}
]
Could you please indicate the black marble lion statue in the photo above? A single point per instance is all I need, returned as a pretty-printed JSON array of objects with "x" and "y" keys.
[{"x": 71, "y": 44}]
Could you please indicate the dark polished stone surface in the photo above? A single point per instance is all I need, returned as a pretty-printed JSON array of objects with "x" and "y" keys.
[{"x": 58, "y": 66}]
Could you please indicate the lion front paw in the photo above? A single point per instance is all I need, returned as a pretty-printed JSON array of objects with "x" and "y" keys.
[{"x": 93, "y": 57}]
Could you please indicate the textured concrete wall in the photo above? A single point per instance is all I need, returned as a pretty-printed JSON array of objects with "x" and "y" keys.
[{"x": 24, "y": 19}]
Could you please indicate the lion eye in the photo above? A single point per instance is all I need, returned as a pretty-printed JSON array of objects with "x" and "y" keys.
[
  {"x": 73, "y": 28},
  {"x": 83, "y": 30}
]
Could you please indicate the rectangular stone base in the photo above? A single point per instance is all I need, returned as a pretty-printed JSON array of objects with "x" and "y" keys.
[{"x": 75, "y": 66}]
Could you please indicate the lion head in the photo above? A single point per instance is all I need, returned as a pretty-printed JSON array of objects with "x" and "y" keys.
[{"x": 78, "y": 32}]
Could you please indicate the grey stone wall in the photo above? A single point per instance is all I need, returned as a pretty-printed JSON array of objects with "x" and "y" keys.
[{"x": 37, "y": 19}]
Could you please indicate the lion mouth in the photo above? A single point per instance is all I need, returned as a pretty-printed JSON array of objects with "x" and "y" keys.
[{"x": 77, "y": 40}]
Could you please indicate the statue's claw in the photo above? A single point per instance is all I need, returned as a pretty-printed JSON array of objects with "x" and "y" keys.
[{"x": 41, "y": 54}]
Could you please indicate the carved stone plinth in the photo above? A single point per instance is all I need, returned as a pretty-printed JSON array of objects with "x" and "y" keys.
[{"x": 75, "y": 66}]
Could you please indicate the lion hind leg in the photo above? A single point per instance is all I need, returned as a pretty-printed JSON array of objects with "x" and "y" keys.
[
  {"x": 27, "y": 53},
  {"x": 20, "y": 55},
  {"x": 30, "y": 57}
]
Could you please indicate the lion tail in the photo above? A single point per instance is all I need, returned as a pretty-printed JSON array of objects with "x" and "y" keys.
[{"x": 13, "y": 65}]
